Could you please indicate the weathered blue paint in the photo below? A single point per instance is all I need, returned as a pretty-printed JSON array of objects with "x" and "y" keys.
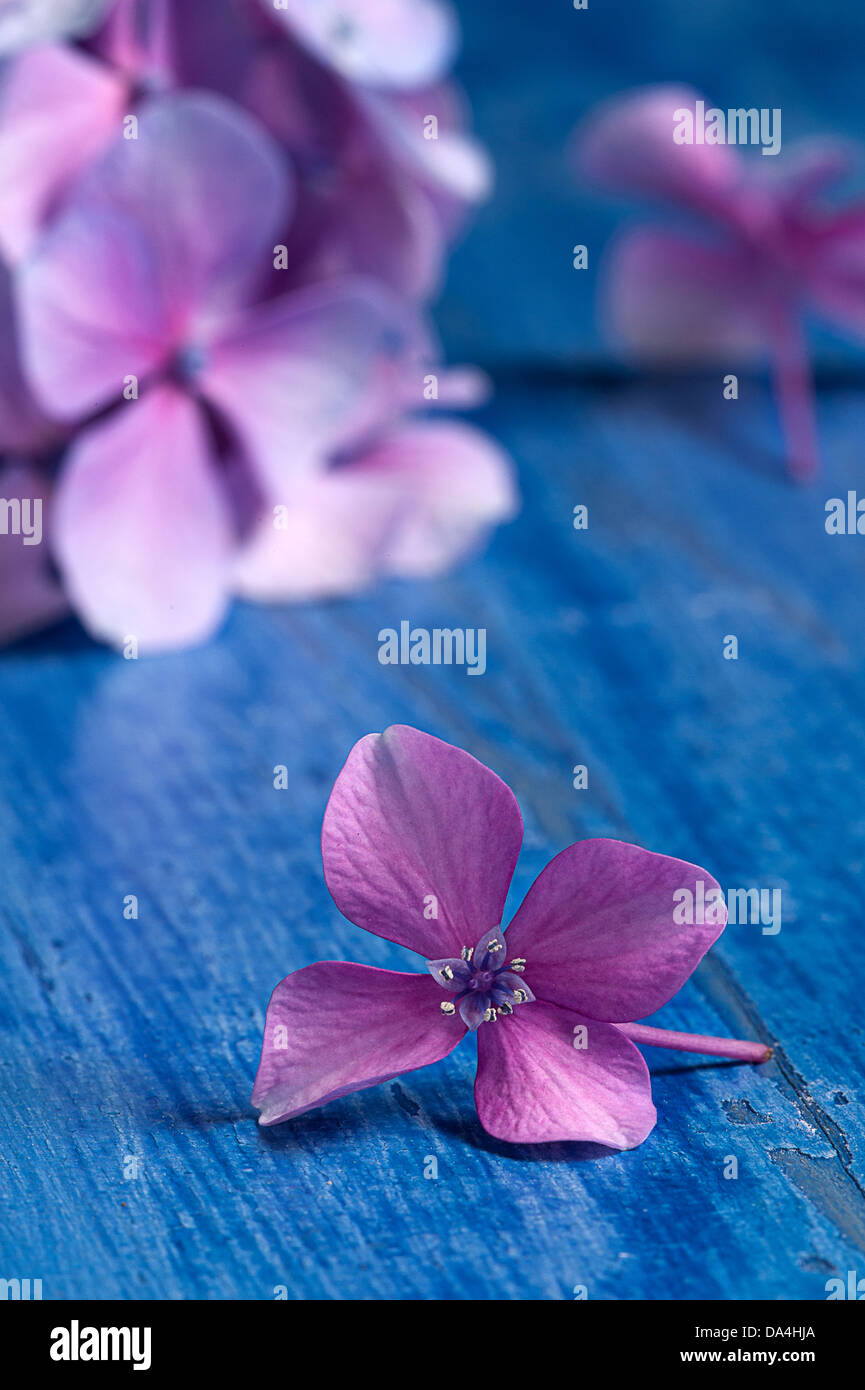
[{"x": 138, "y": 1039}]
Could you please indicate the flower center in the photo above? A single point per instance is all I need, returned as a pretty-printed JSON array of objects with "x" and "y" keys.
[{"x": 484, "y": 985}]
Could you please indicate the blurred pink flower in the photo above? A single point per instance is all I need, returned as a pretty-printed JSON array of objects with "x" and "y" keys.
[
  {"x": 147, "y": 279},
  {"x": 259, "y": 293},
  {"x": 762, "y": 250}
]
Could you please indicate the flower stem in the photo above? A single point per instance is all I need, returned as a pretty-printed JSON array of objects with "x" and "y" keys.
[
  {"x": 794, "y": 394},
  {"x": 739, "y": 1050}
]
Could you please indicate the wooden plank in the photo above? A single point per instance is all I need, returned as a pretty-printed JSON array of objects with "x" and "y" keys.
[{"x": 139, "y": 1039}]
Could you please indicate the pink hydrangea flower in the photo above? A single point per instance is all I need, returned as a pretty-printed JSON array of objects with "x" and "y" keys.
[
  {"x": 146, "y": 265},
  {"x": 763, "y": 248},
  {"x": 419, "y": 844},
  {"x": 146, "y": 282}
]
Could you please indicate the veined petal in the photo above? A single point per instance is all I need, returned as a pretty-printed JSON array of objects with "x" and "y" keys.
[
  {"x": 598, "y": 931},
  {"x": 40, "y": 153},
  {"x": 420, "y": 841},
  {"x": 535, "y": 1086},
  {"x": 336, "y": 1027},
  {"x": 141, "y": 531}
]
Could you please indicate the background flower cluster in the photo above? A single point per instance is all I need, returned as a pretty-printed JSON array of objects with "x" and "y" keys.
[{"x": 221, "y": 225}]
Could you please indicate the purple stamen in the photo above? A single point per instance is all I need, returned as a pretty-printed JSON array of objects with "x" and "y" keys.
[{"x": 482, "y": 982}]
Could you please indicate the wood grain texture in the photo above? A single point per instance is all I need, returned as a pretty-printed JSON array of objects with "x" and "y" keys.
[{"x": 140, "y": 1038}]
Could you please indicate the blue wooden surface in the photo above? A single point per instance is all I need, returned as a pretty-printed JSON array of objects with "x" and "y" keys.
[{"x": 139, "y": 1039}]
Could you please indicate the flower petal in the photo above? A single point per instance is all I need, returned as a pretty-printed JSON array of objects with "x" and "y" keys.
[
  {"x": 324, "y": 537},
  {"x": 416, "y": 827},
  {"x": 459, "y": 973},
  {"x": 833, "y": 273},
  {"x": 673, "y": 298},
  {"x": 337, "y": 1027},
  {"x": 598, "y": 933},
  {"x": 141, "y": 531},
  {"x": 37, "y": 21},
  {"x": 161, "y": 238},
  {"x": 40, "y": 156},
  {"x": 381, "y": 43},
  {"x": 626, "y": 145},
  {"x": 472, "y": 1009},
  {"x": 534, "y": 1086},
  {"x": 305, "y": 373},
  {"x": 456, "y": 485}
]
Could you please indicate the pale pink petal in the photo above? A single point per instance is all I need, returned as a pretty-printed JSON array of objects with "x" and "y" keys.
[
  {"x": 59, "y": 110},
  {"x": 142, "y": 534},
  {"x": 447, "y": 159},
  {"x": 326, "y": 539},
  {"x": 162, "y": 237},
  {"x": 677, "y": 300},
  {"x": 599, "y": 931},
  {"x": 626, "y": 145},
  {"x": 30, "y": 596},
  {"x": 336, "y": 1027},
  {"x": 303, "y": 374},
  {"x": 380, "y": 43},
  {"x": 534, "y": 1086},
  {"x": 27, "y": 22},
  {"x": 420, "y": 841},
  {"x": 456, "y": 483}
]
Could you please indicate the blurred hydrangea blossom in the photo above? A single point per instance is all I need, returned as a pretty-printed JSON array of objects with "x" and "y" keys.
[
  {"x": 758, "y": 249},
  {"x": 221, "y": 223}
]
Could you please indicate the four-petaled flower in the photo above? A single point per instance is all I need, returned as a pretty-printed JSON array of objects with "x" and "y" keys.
[{"x": 419, "y": 843}]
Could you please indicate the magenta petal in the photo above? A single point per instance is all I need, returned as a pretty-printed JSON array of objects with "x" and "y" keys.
[
  {"x": 40, "y": 153},
  {"x": 337, "y": 1027},
  {"x": 534, "y": 1086},
  {"x": 674, "y": 299},
  {"x": 420, "y": 841},
  {"x": 304, "y": 373},
  {"x": 627, "y": 146},
  {"x": 141, "y": 532},
  {"x": 598, "y": 934}
]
